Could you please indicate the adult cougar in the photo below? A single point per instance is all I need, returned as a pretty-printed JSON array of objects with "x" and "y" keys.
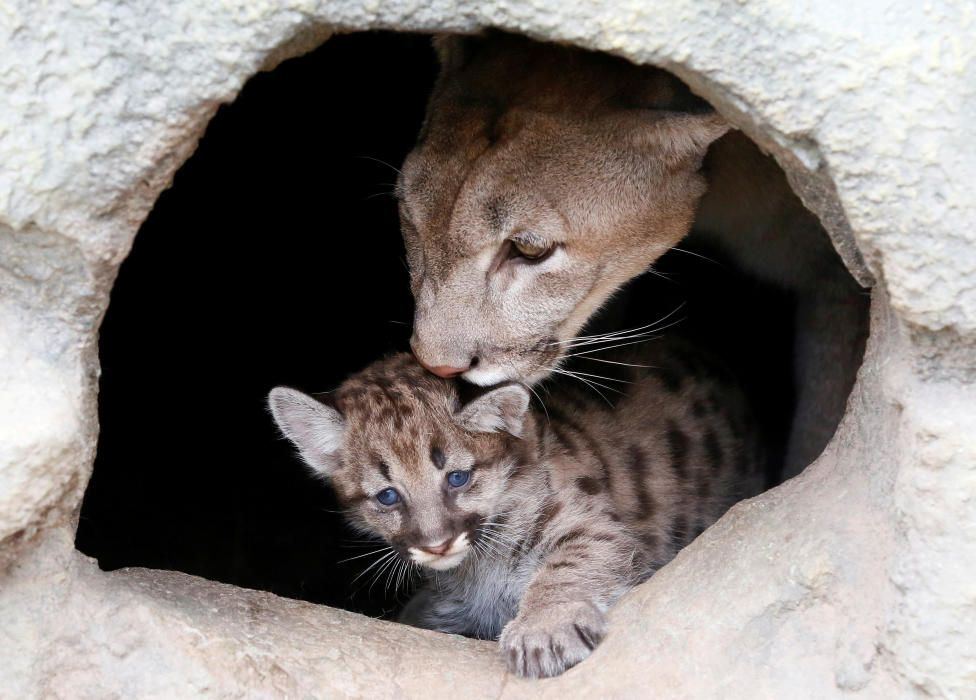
[{"x": 545, "y": 177}]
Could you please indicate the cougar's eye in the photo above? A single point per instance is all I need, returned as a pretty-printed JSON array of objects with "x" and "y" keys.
[
  {"x": 388, "y": 497},
  {"x": 458, "y": 479},
  {"x": 531, "y": 247}
]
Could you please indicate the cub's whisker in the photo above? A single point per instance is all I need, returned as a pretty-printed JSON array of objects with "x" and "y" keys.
[
  {"x": 500, "y": 538},
  {"x": 504, "y": 543},
  {"x": 367, "y": 554},
  {"x": 385, "y": 568},
  {"x": 491, "y": 547},
  {"x": 385, "y": 558},
  {"x": 482, "y": 549}
]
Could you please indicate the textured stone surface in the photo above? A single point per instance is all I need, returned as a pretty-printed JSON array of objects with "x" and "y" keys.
[{"x": 854, "y": 579}]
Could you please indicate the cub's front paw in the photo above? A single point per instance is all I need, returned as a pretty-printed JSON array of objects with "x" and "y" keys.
[{"x": 546, "y": 642}]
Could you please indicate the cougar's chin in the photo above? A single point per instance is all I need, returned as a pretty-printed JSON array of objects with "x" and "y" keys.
[
  {"x": 528, "y": 368},
  {"x": 486, "y": 375}
]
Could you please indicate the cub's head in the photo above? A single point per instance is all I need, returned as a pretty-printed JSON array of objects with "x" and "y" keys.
[
  {"x": 410, "y": 462},
  {"x": 544, "y": 178}
]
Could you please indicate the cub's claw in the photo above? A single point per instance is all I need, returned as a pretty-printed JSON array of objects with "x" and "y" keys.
[{"x": 546, "y": 642}]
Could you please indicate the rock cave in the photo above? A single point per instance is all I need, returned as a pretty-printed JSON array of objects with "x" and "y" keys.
[{"x": 850, "y": 578}]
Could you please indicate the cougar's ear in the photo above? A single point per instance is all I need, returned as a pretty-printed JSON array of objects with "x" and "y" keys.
[
  {"x": 314, "y": 428},
  {"x": 502, "y": 408},
  {"x": 680, "y": 137}
]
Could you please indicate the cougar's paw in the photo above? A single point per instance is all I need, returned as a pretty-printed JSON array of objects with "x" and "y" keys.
[{"x": 546, "y": 642}]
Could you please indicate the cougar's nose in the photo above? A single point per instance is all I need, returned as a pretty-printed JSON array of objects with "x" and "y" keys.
[
  {"x": 437, "y": 549},
  {"x": 445, "y": 371}
]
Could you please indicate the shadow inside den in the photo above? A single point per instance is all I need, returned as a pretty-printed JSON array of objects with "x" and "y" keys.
[{"x": 276, "y": 258}]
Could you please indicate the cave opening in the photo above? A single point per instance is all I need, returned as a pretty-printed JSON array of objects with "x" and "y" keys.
[{"x": 276, "y": 258}]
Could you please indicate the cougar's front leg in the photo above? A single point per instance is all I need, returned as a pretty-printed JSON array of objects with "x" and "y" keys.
[{"x": 587, "y": 564}]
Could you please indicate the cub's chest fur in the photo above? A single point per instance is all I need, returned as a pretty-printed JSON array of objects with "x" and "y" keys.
[{"x": 477, "y": 601}]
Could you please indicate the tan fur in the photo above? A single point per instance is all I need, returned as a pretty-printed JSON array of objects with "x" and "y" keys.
[
  {"x": 601, "y": 158},
  {"x": 551, "y": 527}
]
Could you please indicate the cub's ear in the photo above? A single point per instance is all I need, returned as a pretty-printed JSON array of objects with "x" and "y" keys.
[
  {"x": 679, "y": 136},
  {"x": 314, "y": 428},
  {"x": 501, "y": 408}
]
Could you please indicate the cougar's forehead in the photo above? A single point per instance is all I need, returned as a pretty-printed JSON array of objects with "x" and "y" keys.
[
  {"x": 453, "y": 206},
  {"x": 540, "y": 177}
]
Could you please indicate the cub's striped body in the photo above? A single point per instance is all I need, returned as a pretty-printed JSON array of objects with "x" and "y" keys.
[{"x": 528, "y": 523}]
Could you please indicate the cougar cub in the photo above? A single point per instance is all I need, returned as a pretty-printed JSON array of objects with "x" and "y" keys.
[{"x": 528, "y": 524}]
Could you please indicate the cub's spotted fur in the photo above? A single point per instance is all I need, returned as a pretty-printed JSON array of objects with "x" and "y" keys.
[{"x": 527, "y": 523}]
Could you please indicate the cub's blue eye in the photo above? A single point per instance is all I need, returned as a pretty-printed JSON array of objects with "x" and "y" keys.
[
  {"x": 388, "y": 497},
  {"x": 457, "y": 479}
]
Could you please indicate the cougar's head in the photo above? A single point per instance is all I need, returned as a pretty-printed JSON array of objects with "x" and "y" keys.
[{"x": 543, "y": 180}]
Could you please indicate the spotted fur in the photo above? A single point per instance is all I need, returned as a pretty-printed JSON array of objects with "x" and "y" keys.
[{"x": 565, "y": 508}]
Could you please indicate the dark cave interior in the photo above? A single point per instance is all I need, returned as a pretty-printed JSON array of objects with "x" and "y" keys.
[{"x": 275, "y": 258}]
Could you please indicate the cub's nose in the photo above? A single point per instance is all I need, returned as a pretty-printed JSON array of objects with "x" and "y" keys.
[{"x": 437, "y": 549}]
